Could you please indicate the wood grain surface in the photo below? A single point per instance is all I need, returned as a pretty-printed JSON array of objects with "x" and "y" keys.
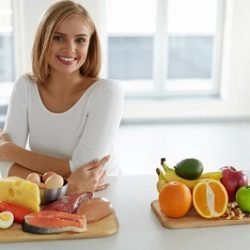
[
  {"x": 105, "y": 227},
  {"x": 192, "y": 219}
]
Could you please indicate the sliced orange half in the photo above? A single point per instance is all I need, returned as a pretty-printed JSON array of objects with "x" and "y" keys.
[{"x": 210, "y": 198}]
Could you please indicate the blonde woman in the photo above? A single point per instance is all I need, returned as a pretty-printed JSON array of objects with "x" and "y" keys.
[{"x": 68, "y": 113}]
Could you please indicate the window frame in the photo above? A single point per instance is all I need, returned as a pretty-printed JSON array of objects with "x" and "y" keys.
[
  {"x": 6, "y": 86},
  {"x": 164, "y": 88}
]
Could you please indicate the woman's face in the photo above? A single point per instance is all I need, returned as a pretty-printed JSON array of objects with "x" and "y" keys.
[{"x": 69, "y": 45}]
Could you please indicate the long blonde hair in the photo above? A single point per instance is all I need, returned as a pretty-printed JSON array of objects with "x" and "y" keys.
[{"x": 44, "y": 35}]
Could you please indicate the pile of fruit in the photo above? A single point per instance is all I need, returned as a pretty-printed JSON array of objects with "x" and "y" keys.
[{"x": 221, "y": 194}]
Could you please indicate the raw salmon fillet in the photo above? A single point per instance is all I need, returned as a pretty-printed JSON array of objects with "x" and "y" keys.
[{"x": 46, "y": 222}]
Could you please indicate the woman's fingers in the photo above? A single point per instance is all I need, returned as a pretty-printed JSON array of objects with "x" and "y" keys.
[
  {"x": 105, "y": 159},
  {"x": 97, "y": 164},
  {"x": 4, "y": 136},
  {"x": 92, "y": 165},
  {"x": 94, "y": 175},
  {"x": 102, "y": 187},
  {"x": 102, "y": 176}
]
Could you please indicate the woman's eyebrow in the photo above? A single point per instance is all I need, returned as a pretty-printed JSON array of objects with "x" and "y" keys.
[
  {"x": 59, "y": 33},
  {"x": 81, "y": 35},
  {"x": 78, "y": 35}
]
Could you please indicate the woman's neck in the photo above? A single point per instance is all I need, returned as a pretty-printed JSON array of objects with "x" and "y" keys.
[
  {"x": 61, "y": 92},
  {"x": 58, "y": 83},
  {"x": 65, "y": 79}
]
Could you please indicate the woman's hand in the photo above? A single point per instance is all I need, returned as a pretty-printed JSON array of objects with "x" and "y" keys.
[
  {"x": 4, "y": 138},
  {"x": 88, "y": 178}
]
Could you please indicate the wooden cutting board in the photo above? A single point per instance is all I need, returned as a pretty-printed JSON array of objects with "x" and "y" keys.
[
  {"x": 105, "y": 227},
  {"x": 192, "y": 219}
]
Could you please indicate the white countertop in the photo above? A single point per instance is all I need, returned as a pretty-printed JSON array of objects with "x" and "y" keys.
[{"x": 140, "y": 229}]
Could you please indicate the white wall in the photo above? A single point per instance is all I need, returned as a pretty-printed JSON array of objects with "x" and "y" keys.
[{"x": 235, "y": 79}]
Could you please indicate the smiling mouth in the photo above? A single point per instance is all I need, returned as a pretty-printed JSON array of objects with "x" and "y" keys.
[{"x": 66, "y": 59}]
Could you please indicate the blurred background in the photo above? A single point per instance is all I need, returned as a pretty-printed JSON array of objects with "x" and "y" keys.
[{"x": 184, "y": 66}]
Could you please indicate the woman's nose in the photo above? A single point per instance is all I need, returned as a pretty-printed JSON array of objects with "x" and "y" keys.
[{"x": 71, "y": 46}]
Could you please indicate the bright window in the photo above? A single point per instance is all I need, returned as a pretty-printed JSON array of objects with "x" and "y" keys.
[
  {"x": 6, "y": 51},
  {"x": 165, "y": 47}
]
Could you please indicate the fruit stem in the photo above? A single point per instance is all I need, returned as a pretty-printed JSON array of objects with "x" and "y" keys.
[
  {"x": 160, "y": 174},
  {"x": 158, "y": 171},
  {"x": 165, "y": 166},
  {"x": 163, "y": 160}
]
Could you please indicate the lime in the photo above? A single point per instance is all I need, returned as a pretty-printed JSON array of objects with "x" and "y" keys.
[{"x": 189, "y": 168}]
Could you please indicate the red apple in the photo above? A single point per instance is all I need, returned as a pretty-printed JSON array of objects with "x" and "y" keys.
[{"x": 232, "y": 180}]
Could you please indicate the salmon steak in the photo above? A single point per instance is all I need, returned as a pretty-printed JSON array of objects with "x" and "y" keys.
[{"x": 46, "y": 222}]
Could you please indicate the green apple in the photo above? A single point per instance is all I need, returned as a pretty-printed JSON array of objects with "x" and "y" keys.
[{"x": 243, "y": 198}]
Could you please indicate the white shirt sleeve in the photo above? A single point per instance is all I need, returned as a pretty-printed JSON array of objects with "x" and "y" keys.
[
  {"x": 16, "y": 125},
  {"x": 103, "y": 120}
]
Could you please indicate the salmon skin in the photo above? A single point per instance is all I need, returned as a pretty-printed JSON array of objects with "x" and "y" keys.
[{"x": 47, "y": 222}]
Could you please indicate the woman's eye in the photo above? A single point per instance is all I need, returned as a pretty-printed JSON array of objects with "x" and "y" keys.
[
  {"x": 80, "y": 40},
  {"x": 58, "y": 38}
]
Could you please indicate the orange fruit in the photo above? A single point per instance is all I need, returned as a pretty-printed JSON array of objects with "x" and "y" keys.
[
  {"x": 175, "y": 199},
  {"x": 210, "y": 198}
]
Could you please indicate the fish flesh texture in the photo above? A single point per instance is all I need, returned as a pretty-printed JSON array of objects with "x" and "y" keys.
[
  {"x": 95, "y": 209},
  {"x": 47, "y": 222},
  {"x": 69, "y": 203}
]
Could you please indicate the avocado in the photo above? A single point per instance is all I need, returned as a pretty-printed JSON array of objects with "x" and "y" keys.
[{"x": 189, "y": 168}]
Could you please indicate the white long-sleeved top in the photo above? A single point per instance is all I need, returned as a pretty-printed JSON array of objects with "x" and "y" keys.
[{"x": 81, "y": 134}]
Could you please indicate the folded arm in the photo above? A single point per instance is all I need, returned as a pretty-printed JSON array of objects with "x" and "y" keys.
[{"x": 32, "y": 161}]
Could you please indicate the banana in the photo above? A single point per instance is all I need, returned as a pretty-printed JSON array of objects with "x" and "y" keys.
[
  {"x": 161, "y": 182},
  {"x": 165, "y": 166},
  {"x": 170, "y": 175},
  {"x": 211, "y": 175}
]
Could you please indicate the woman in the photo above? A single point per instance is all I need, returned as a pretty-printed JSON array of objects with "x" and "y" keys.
[{"x": 68, "y": 113}]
